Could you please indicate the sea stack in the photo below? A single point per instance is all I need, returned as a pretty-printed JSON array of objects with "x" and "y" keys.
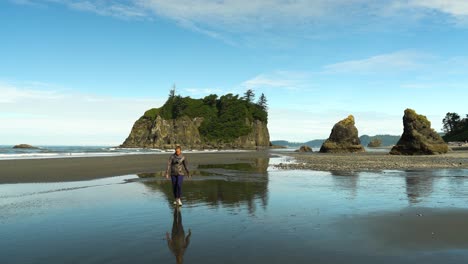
[
  {"x": 344, "y": 138},
  {"x": 24, "y": 146},
  {"x": 227, "y": 122},
  {"x": 304, "y": 148},
  {"x": 418, "y": 137}
]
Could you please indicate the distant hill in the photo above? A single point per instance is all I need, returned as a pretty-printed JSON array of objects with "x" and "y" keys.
[
  {"x": 313, "y": 143},
  {"x": 387, "y": 140}
]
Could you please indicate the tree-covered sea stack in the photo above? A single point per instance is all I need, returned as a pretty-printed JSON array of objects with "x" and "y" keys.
[
  {"x": 211, "y": 122},
  {"x": 418, "y": 137}
]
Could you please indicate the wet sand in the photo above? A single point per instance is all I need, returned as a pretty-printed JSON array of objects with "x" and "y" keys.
[
  {"x": 87, "y": 168},
  {"x": 373, "y": 161},
  {"x": 279, "y": 216},
  {"x": 410, "y": 229}
]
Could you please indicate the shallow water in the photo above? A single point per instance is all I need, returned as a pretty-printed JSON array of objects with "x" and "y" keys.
[{"x": 241, "y": 214}]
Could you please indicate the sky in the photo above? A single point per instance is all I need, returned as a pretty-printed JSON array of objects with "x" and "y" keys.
[{"x": 80, "y": 72}]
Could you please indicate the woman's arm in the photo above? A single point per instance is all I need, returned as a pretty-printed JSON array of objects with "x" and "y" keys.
[{"x": 186, "y": 166}]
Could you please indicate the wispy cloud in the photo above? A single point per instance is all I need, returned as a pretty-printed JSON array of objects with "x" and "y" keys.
[
  {"x": 228, "y": 18},
  {"x": 64, "y": 116},
  {"x": 280, "y": 80},
  {"x": 108, "y": 8},
  {"x": 120, "y": 9},
  {"x": 391, "y": 62},
  {"x": 12, "y": 94},
  {"x": 455, "y": 8}
]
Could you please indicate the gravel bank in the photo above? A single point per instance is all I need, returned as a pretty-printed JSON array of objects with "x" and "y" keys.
[{"x": 373, "y": 161}]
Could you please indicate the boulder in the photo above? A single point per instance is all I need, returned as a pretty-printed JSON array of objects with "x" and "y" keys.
[
  {"x": 418, "y": 137},
  {"x": 344, "y": 138},
  {"x": 304, "y": 148},
  {"x": 25, "y": 146}
]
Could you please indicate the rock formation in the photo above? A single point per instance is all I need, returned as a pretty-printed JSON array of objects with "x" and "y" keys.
[
  {"x": 304, "y": 148},
  {"x": 375, "y": 143},
  {"x": 418, "y": 137},
  {"x": 344, "y": 138},
  {"x": 25, "y": 146},
  {"x": 212, "y": 122},
  {"x": 166, "y": 134}
]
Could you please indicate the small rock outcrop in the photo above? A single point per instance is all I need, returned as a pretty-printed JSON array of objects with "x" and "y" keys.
[
  {"x": 24, "y": 146},
  {"x": 344, "y": 138},
  {"x": 304, "y": 148},
  {"x": 418, "y": 137},
  {"x": 375, "y": 143}
]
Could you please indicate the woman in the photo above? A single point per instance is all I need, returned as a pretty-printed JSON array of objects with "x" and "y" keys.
[{"x": 177, "y": 167}]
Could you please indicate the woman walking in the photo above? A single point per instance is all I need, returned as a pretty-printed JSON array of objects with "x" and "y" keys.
[{"x": 177, "y": 167}]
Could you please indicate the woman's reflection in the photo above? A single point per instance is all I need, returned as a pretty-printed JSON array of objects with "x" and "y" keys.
[{"x": 178, "y": 243}]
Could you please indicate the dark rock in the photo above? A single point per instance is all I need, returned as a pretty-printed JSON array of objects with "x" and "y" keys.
[
  {"x": 375, "y": 143},
  {"x": 344, "y": 138},
  {"x": 304, "y": 149},
  {"x": 184, "y": 131},
  {"x": 418, "y": 137},
  {"x": 276, "y": 146},
  {"x": 25, "y": 146}
]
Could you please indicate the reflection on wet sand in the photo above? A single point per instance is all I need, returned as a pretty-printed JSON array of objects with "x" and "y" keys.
[
  {"x": 418, "y": 185},
  {"x": 346, "y": 181},
  {"x": 248, "y": 187},
  {"x": 259, "y": 165},
  {"x": 177, "y": 241}
]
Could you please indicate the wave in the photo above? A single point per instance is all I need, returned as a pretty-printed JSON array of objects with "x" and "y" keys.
[
  {"x": 78, "y": 151},
  {"x": 68, "y": 155}
]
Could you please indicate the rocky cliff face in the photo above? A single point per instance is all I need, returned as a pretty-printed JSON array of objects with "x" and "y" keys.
[
  {"x": 418, "y": 137},
  {"x": 343, "y": 138},
  {"x": 166, "y": 134}
]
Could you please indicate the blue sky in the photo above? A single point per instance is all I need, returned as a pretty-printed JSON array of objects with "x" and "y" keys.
[{"x": 81, "y": 72}]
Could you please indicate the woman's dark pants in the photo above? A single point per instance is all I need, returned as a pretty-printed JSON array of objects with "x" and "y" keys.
[{"x": 177, "y": 185}]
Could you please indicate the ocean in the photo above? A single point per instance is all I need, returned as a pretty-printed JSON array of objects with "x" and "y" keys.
[{"x": 44, "y": 151}]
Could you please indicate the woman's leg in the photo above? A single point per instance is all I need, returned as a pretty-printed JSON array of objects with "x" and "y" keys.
[
  {"x": 180, "y": 180},
  {"x": 174, "y": 185}
]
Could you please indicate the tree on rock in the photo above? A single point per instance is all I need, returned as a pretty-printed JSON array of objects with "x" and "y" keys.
[
  {"x": 172, "y": 92},
  {"x": 262, "y": 102},
  {"x": 249, "y": 95}
]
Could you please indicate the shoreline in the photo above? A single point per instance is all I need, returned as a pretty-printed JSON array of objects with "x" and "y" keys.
[
  {"x": 373, "y": 161},
  {"x": 89, "y": 168}
]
